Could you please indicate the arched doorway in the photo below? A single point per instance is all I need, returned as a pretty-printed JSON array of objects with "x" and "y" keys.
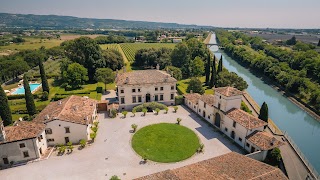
[
  {"x": 217, "y": 120},
  {"x": 204, "y": 114},
  {"x": 148, "y": 97}
]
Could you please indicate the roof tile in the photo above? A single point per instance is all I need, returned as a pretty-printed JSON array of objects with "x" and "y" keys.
[{"x": 245, "y": 119}]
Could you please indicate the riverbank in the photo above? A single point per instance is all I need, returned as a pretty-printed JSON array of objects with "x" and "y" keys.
[{"x": 291, "y": 97}]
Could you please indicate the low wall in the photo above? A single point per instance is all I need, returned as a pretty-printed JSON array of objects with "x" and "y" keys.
[{"x": 258, "y": 155}]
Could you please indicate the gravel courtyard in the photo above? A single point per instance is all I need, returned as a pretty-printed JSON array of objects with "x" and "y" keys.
[{"x": 112, "y": 154}]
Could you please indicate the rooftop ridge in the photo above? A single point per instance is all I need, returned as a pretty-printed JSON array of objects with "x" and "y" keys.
[{"x": 63, "y": 108}]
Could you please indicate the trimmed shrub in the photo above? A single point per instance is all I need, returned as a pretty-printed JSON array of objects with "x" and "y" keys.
[
  {"x": 178, "y": 100},
  {"x": 99, "y": 89},
  {"x": 150, "y": 105}
]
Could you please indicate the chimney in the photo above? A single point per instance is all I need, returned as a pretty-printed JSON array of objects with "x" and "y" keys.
[
  {"x": 2, "y": 132},
  {"x": 46, "y": 117},
  {"x": 272, "y": 141},
  {"x": 158, "y": 67},
  {"x": 59, "y": 102},
  {"x": 127, "y": 80}
]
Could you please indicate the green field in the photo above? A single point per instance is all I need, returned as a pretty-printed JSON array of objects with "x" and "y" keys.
[
  {"x": 33, "y": 43},
  {"x": 182, "y": 86},
  {"x": 52, "y": 67},
  {"x": 165, "y": 142},
  {"x": 130, "y": 49}
]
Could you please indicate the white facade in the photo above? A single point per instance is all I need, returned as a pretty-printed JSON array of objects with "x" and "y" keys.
[
  {"x": 22, "y": 150},
  {"x": 133, "y": 95},
  {"x": 62, "y": 132}
]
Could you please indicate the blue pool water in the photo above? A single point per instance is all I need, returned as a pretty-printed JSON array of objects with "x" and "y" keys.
[{"x": 20, "y": 90}]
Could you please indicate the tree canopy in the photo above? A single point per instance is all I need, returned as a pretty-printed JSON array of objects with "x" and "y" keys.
[
  {"x": 176, "y": 72},
  {"x": 151, "y": 57},
  {"x": 231, "y": 79},
  {"x": 87, "y": 53},
  {"x": 197, "y": 67},
  {"x": 5, "y": 112},
  {"x": 264, "y": 112},
  {"x": 105, "y": 75},
  {"x": 31, "y": 107},
  {"x": 44, "y": 81},
  {"x": 112, "y": 59},
  {"x": 195, "y": 85},
  {"x": 75, "y": 76}
]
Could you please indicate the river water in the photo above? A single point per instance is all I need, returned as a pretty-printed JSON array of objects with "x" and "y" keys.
[{"x": 301, "y": 127}]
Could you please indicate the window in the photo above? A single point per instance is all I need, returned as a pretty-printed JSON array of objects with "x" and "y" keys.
[
  {"x": 48, "y": 131},
  {"x": 25, "y": 154},
  {"x": 5, "y": 160},
  {"x": 161, "y": 97},
  {"x": 139, "y": 99},
  {"x": 219, "y": 105},
  {"x": 172, "y": 87},
  {"x": 208, "y": 117},
  {"x": 122, "y": 100},
  {"x": 41, "y": 136},
  {"x": 189, "y": 103},
  {"x": 67, "y": 129},
  {"x": 220, "y": 97},
  {"x": 156, "y": 88},
  {"x": 121, "y": 91},
  {"x": 199, "y": 110},
  {"x": 22, "y": 145},
  {"x": 134, "y": 99},
  {"x": 66, "y": 139},
  {"x": 204, "y": 105},
  {"x": 172, "y": 96},
  {"x": 50, "y": 140},
  {"x": 156, "y": 97},
  {"x": 39, "y": 139},
  {"x": 194, "y": 106},
  {"x": 234, "y": 124},
  {"x": 133, "y": 90},
  {"x": 240, "y": 139},
  {"x": 226, "y": 129},
  {"x": 248, "y": 145},
  {"x": 161, "y": 88},
  {"x": 139, "y": 90}
]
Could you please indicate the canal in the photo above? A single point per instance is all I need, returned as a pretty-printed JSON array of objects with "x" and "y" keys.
[{"x": 301, "y": 127}]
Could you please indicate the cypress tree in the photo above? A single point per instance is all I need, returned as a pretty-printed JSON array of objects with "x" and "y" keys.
[
  {"x": 319, "y": 43},
  {"x": 208, "y": 69},
  {"x": 44, "y": 81},
  {"x": 31, "y": 108},
  {"x": 220, "y": 65},
  {"x": 213, "y": 73},
  {"x": 5, "y": 112},
  {"x": 264, "y": 112}
]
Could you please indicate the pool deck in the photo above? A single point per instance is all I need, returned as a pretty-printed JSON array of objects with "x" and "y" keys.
[{"x": 33, "y": 91}]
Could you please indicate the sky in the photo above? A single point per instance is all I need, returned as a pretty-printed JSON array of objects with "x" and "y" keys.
[{"x": 219, "y": 13}]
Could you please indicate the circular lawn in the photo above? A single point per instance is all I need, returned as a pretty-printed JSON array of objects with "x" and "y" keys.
[{"x": 165, "y": 142}]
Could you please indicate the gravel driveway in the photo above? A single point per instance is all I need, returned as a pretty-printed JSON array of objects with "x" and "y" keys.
[{"x": 112, "y": 154}]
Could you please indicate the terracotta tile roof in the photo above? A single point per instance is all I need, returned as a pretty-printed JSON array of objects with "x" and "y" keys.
[
  {"x": 23, "y": 130},
  {"x": 264, "y": 140},
  {"x": 144, "y": 77},
  {"x": 245, "y": 119},
  {"x": 207, "y": 98},
  {"x": 228, "y": 91},
  {"x": 113, "y": 106},
  {"x": 228, "y": 166},
  {"x": 193, "y": 97},
  {"x": 73, "y": 109}
]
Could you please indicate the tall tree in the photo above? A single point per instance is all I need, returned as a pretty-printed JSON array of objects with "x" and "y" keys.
[
  {"x": 5, "y": 112},
  {"x": 31, "y": 107},
  {"x": 213, "y": 79},
  {"x": 195, "y": 85},
  {"x": 75, "y": 75},
  {"x": 319, "y": 43},
  {"x": 220, "y": 65},
  {"x": 86, "y": 52},
  {"x": 180, "y": 58},
  {"x": 208, "y": 69},
  {"x": 104, "y": 75},
  {"x": 44, "y": 81},
  {"x": 264, "y": 112},
  {"x": 197, "y": 67}
]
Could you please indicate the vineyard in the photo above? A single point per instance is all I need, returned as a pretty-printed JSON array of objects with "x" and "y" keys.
[
  {"x": 110, "y": 46},
  {"x": 130, "y": 49}
]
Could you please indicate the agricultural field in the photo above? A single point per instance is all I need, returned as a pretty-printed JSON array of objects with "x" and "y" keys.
[
  {"x": 52, "y": 68},
  {"x": 32, "y": 43},
  {"x": 130, "y": 49}
]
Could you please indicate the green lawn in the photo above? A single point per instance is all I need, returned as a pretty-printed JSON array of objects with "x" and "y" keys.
[
  {"x": 165, "y": 142},
  {"x": 182, "y": 86}
]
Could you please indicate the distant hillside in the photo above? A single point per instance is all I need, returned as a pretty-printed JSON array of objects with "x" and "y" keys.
[{"x": 69, "y": 22}]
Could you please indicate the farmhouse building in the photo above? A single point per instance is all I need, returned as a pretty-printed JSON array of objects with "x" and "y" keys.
[
  {"x": 137, "y": 87},
  {"x": 68, "y": 120},
  {"x": 24, "y": 141},
  {"x": 223, "y": 111}
]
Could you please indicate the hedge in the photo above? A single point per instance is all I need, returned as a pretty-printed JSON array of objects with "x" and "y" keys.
[
  {"x": 178, "y": 100},
  {"x": 151, "y": 105},
  {"x": 21, "y": 96}
]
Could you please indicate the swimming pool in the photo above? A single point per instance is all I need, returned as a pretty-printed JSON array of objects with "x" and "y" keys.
[{"x": 20, "y": 90}]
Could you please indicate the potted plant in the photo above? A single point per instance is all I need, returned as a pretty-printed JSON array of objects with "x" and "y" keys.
[
  {"x": 175, "y": 108},
  {"x": 144, "y": 110},
  {"x": 134, "y": 127},
  {"x": 179, "y": 120},
  {"x": 124, "y": 114},
  {"x": 134, "y": 112},
  {"x": 157, "y": 111},
  {"x": 83, "y": 143}
]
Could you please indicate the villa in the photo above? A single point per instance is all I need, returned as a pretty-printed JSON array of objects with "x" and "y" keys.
[
  {"x": 24, "y": 141},
  {"x": 142, "y": 86},
  {"x": 223, "y": 111},
  {"x": 68, "y": 120}
]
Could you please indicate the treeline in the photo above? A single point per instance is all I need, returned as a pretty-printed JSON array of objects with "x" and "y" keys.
[
  {"x": 112, "y": 39},
  {"x": 189, "y": 59},
  {"x": 297, "y": 71}
]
